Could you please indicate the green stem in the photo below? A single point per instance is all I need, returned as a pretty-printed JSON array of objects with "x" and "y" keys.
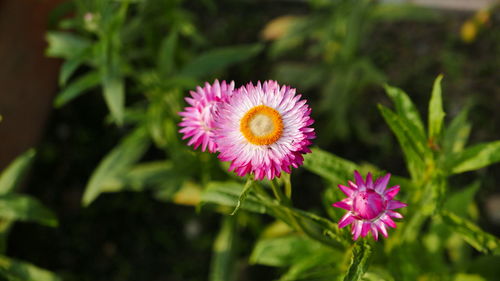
[{"x": 288, "y": 185}]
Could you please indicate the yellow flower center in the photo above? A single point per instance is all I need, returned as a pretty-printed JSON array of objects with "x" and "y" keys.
[{"x": 262, "y": 125}]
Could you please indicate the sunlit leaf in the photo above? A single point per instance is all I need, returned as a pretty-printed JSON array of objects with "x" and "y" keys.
[
  {"x": 114, "y": 95},
  {"x": 129, "y": 151},
  {"x": 218, "y": 59},
  {"x": 436, "y": 112},
  {"x": 329, "y": 166},
  {"x": 475, "y": 157},
  {"x": 223, "y": 259},
  {"x": 228, "y": 193},
  {"x": 65, "y": 45},
  {"x": 14, "y": 173},
  {"x": 283, "y": 251},
  {"x": 16, "y": 270},
  {"x": 471, "y": 233},
  {"x": 407, "y": 110},
  {"x": 25, "y": 208},
  {"x": 77, "y": 87}
]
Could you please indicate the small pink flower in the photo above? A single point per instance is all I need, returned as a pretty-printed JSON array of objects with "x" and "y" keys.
[
  {"x": 198, "y": 119},
  {"x": 370, "y": 206}
]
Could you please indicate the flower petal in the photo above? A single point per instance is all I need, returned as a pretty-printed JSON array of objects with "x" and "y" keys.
[
  {"x": 346, "y": 190},
  {"x": 343, "y": 205},
  {"x": 391, "y": 192},
  {"x": 381, "y": 183},
  {"x": 358, "y": 179},
  {"x": 395, "y": 204},
  {"x": 346, "y": 220}
]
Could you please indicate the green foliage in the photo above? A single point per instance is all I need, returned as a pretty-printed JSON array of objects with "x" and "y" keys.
[
  {"x": 122, "y": 157},
  {"x": 15, "y": 270},
  {"x": 359, "y": 261},
  {"x": 223, "y": 259},
  {"x": 14, "y": 207}
]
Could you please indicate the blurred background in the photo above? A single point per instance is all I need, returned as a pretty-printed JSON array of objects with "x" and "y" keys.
[{"x": 62, "y": 61}]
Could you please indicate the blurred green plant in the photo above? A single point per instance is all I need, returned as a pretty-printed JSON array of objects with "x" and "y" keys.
[
  {"x": 19, "y": 207},
  {"x": 323, "y": 51}
]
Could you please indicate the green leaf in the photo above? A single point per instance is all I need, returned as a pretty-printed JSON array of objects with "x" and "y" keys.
[
  {"x": 243, "y": 195},
  {"x": 407, "y": 111},
  {"x": 223, "y": 259},
  {"x": 228, "y": 193},
  {"x": 414, "y": 151},
  {"x": 114, "y": 95},
  {"x": 25, "y": 208},
  {"x": 166, "y": 55},
  {"x": 215, "y": 60},
  {"x": 459, "y": 202},
  {"x": 359, "y": 261},
  {"x": 14, "y": 173},
  {"x": 118, "y": 161},
  {"x": 69, "y": 67},
  {"x": 475, "y": 157},
  {"x": 471, "y": 233},
  {"x": 389, "y": 12},
  {"x": 436, "y": 112},
  {"x": 65, "y": 45},
  {"x": 16, "y": 270},
  {"x": 457, "y": 134},
  {"x": 329, "y": 166},
  {"x": 78, "y": 87},
  {"x": 283, "y": 251},
  {"x": 151, "y": 175}
]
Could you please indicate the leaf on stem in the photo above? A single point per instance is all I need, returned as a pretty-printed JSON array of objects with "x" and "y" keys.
[
  {"x": 475, "y": 157},
  {"x": 359, "y": 261},
  {"x": 436, "y": 112},
  {"x": 471, "y": 233},
  {"x": 243, "y": 195}
]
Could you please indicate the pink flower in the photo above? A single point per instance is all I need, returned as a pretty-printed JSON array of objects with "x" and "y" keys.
[
  {"x": 264, "y": 130},
  {"x": 370, "y": 206},
  {"x": 198, "y": 119}
]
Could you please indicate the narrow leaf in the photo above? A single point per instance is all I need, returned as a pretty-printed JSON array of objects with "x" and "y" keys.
[
  {"x": 243, "y": 195},
  {"x": 223, "y": 260},
  {"x": 414, "y": 152},
  {"x": 14, "y": 173},
  {"x": 167, "y": 54},
  {"x": 16, "y": 270},
  {"x": 114, "y": 95},
  {"x": 25, "y": 208},
  {"x": 129, "y": 151},
  {"x": 329, "y": 166},
  {"x": 471, "y": 233},
  {"x": 407, "y": 110},
  {"x": 218, "y": 59},
  {"x": 475, "y": 157},
  {"x": 457, "y": 133},
  {"x": 78, "y": 87},
  {"x": 359, "y": 261},
  {"x": 436, "y": 112}
]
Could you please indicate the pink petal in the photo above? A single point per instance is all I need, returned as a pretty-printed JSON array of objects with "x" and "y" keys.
[
  {"x": 357, "y": 227},
  {"x": 394, "y": 214},
  {"x": 352, "y": 185},
  {"x": 343, "y": 205},
  {"x": 369, "y": 181},
  {"x": 374, "y": 231},
  {"x": 358, "y": 179},
  {"x": 381, "y": 183},
  {"x": 346, "y": 190},
  {"x": 381, "y": 227},
  {"x": 387, "y": 220},
  {"x": 346, "y": 220},
  {"x": 391, "y": 192},
  {"x": 395, "y": 204},
  {"x": 365, "y": 229}
]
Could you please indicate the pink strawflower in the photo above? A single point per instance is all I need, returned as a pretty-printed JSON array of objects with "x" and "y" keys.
[
  {"x": 198, "y": 119},
  {"x": 263, "y": 130},
  {"x": 370, "y": 206}
]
